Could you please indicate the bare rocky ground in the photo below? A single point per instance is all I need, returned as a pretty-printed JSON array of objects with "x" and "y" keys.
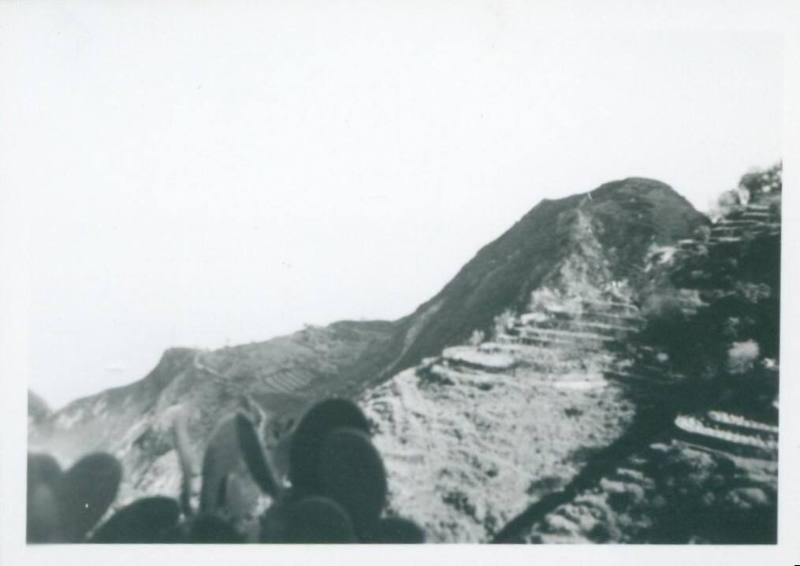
[
  {"x": 672, "y": 492},
  {"x": 560, "y": 431},
  {"x": 711, "y": 474},
  {"x": 473, "y": 437}
]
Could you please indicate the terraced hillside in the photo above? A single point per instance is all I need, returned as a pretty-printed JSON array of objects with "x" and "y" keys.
[
  {"x": 712, "y": 479},
  {"x": 711, "y": 476},
  {"x": 613, "y": 225},
  {"x": 475, "y": 435},
  {"x": 582, "y": 240},
  {"x": 278, "y": 378},
  {"x": 558, "y": 429}
]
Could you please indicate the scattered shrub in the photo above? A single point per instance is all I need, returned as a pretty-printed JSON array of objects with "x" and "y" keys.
[{"x": 742, "y": 356}]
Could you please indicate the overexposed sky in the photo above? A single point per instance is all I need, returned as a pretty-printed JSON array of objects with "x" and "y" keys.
[{"x": 202, "y": 174}]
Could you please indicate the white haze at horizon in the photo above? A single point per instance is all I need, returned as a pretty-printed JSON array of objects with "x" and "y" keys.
[{"x": 212, "y": 177}]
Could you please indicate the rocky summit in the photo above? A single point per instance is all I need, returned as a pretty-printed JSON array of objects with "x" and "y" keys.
[
  {"x": 557, "y": 389},
  {"x": 485, "y": 429}
]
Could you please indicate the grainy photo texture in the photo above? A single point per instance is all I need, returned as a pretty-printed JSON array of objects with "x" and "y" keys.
[{"x": 305, "y": 277}]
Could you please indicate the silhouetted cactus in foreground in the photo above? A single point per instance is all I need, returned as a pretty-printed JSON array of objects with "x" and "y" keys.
[
  {"x": 63, "y": 507},
  {"x": 227, "y": 510},
  {"x": 257, "y": 461},
  {"x": 220, "y": 460},
  {"x": 190, "y": 478},
  {"x": 339, "y": 484},
  {"x": 395, "y": 530},
  {"x": 351, "y": 472},
  {"x": 43, "y": 522},
  {"x": 309, "y": 435},
  {"x": 337, "y": 494},
  {"x": 86, "y": 491},
  {"x": 148, "y": 520},
  {"x": 318, "y": 520},
  {"x": 207, "y": 528}
]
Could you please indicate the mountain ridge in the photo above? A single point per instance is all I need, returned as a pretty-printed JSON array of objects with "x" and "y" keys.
[
  {"x": 510, "y": 285},
  {"x": 276, "y": 379},
  {"x": 551, "y": 428}
]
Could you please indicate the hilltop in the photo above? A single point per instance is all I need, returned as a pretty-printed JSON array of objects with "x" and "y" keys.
[
  {"x": 625, "y": 217},
  {"x": 617, "y": 404}
]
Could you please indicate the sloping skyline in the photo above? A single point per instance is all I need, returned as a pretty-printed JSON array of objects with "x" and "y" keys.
[{"x": 204, "y": 178}]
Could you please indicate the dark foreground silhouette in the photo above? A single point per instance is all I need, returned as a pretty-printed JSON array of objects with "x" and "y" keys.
[{"x": 338, "y": 491}]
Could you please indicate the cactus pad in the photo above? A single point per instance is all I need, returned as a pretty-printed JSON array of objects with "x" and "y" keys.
[
  {"x": 190, "y": 480},
  {"x": 147, "y": 520},
  {"x": 351, "y": 472},
  {"x": 238, "y": 505},
  {"x": 85, "y": 493},
  {"x": 396, "y": 530},
  {"x": 211, "y": 529},
  {"x": 318, "y": 520},
  {"x": 43, "y": 516},
  {"x": 221, "y": 458},
  {"x": 42, "y": 468},
  {"x": 257, "y": 461},
  {"x": 309, "y": 435}
]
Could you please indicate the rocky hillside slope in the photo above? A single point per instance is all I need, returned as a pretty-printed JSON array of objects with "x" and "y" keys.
[
  {"x": 605, "y": 410},
  {"x": 571, "y": 248},
  {"x": 625, "y": 217},
  {"x": 278, "y": 377},
  {"x": 710, "y": 475},
  {"x": 476, "y": 434}
]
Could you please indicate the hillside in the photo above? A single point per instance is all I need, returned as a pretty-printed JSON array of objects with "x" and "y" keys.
[
  {"x": 485, "y": 429},
  {"x": 277, "y": 377},
  {"x": 712, "y": 476},
  {"x": 591, "y": 243},
  {"x": 626, "y": 218},
  {"x": 605, "y": 409},
  {"x": 473, "y": 436}
]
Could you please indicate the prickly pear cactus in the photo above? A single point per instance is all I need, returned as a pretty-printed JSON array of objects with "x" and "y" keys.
[
  {"x": 147, "y": 520},
  {"x": 318, "y": 520},
  {"x": 42, "y": 468},
  {"x": 258, "y": 463},
  {"x": 238, "y": 506},
  {"x": 212, "y": 529},
  {"x": 396, "y": 530},
  {"x": 85, "y": 493},
  {"x": 221, "y": 459},
  {"x": 351, "y": 472},
  {"x": 338, "y": 493},
  {"x": 190, "y": 481},
  {"x": 43, "y": 522},
  {"x": 310, "y": 434}
]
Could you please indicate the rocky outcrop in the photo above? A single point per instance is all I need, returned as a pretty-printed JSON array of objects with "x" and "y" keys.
[
  {"x": 673, "y": 491},
  {"x": 475, "y": 435},
  {"x": 612, "y": 226},
  {"x": 478, "y": 432},
  {"x": 712, "y": 476},
  {"x": 731, "y": 432}
]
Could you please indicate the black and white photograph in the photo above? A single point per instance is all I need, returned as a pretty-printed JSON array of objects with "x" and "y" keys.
[{"x": 291, "y": 274}]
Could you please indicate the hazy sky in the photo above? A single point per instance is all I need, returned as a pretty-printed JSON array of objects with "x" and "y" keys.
[{"x": 200, "y": 175}]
